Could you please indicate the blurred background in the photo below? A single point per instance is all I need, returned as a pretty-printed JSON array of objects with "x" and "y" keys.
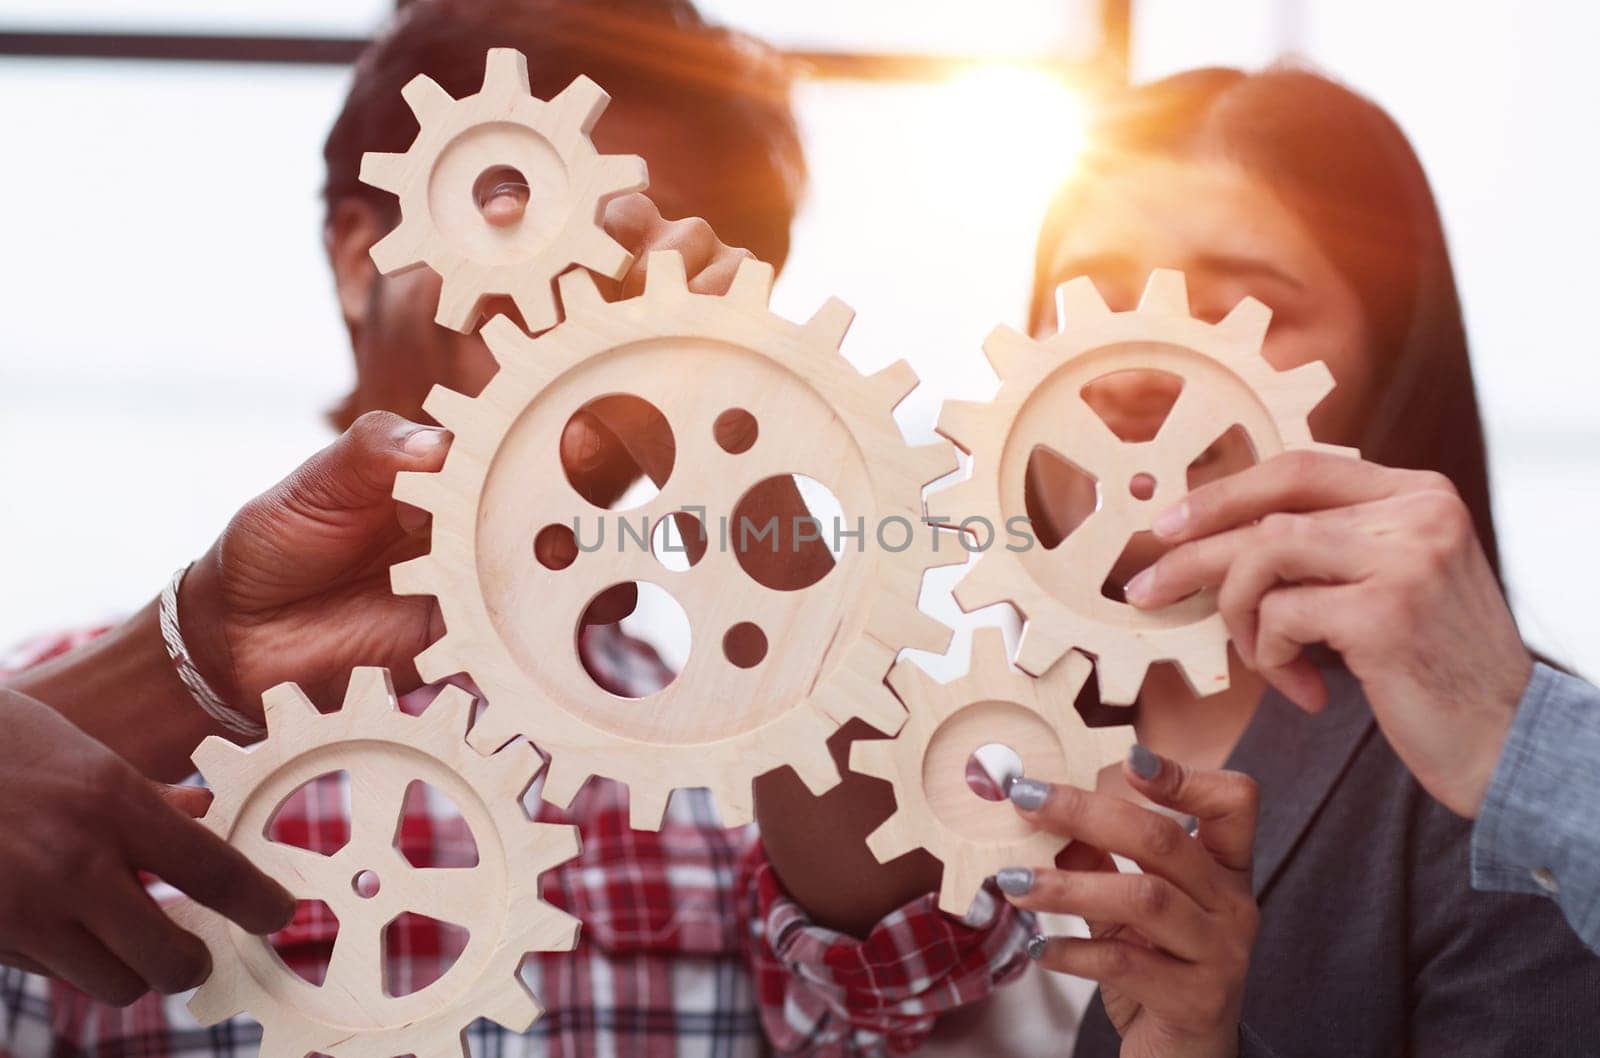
[{"x": 169, "y": 338}]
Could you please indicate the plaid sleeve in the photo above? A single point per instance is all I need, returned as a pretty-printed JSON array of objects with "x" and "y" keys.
[{"x": 827, "y": 993}]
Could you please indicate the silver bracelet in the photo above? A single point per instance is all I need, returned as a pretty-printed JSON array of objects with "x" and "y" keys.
[{"x": 206, "y": 698}]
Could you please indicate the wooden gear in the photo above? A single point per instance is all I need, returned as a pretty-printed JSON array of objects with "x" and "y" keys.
[
  {"x": 460, "y": 142},
  {"x": 935, "y": 809},
  {"x": 1226, "y": 382},
  {"x": 511, "y": 622},
  {"x": 383, "y": 750}
]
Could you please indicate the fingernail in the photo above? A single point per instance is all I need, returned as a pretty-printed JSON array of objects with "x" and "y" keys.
[
  {"x": 425, "y": 440},
  {"x": 1139, "y": 587},
  {"x": 1145, "y": 765},
  {"x": 1171, "y": 521},
  {"x": 1036, "y": 945},
  {"x": 1014, "y": 881},
  {"x": 1028, "y": 794}
]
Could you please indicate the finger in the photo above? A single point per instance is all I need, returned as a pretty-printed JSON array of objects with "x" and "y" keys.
[
  {"x": 1290, "y": 619},
  {"x": 1291, "y": 482},
  {"x": 183, "y": 853},
  {"x": 1225, "y": 804},
  {"x": 612, "y": 605},
  {"x": 717, "y": 276},
  {"x": 641, "y": 432},
  {"x": 192, "y": 801},
  {"x": 1157, "y": 844},
  {"x": 73, "y": 955},
  {"x": 1148, "y": 903},
  {"x": 23, "y": 963},
  {"x": 1150, "y": 978},
  {"x": 132, "y": 928},
  {"x": 629, "y": 219}
]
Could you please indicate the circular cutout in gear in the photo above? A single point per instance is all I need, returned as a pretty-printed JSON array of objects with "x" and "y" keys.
[
  {"x": 935, "y": 807},
  {"x": 502, "y": 127},
  {"x": 1227, "y": 383},
  {"x": 716, "y": 725},
  {"x": 384, "y": 751}
]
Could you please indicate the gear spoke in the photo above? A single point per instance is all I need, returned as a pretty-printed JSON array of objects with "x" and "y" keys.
[
  {"x": 356, "y": 966},
  {"x": 377, "y": 797},
  {"x": 1090, "y": 550},
  {"x": 1193, "y": 425}
]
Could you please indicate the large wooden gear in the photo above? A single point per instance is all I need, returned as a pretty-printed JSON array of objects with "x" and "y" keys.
[
  {"x": 936, "y": 809},
  {"x": 502, "y": 127},
  {"x": 351, "y": 1015},
  {"x": 1226, "y": 382},
  {"x": 511, "y": 622}
]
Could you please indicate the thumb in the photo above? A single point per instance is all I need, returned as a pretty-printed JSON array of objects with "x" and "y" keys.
[
  {"x": 192, "y": 801},
  {"x": 1224, "y": 803},
  {"x": 357, "y": 471}
]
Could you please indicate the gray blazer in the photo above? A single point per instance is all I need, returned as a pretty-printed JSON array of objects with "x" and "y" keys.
[{"x": 1372, "y": 942}]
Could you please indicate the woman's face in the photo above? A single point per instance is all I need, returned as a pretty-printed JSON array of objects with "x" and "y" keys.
[{"x": 1231, "y": 237}]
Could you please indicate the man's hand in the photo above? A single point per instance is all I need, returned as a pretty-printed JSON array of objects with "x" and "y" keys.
[
  {"x": 77, "y": 824},
  {"x": 297, "y": 586},
  {"x": 1383, "y": 566}
]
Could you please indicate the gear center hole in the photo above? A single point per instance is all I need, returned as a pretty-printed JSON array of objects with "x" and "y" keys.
[
  {"x": 991, "y": 769},
  {"x": 366, "y": 884},
  {"x": 1142, "y": 486},
  {"x": 501, "y": 194}
]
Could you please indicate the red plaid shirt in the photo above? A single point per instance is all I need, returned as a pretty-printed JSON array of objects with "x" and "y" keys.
[{"x": 690, "y": 946}]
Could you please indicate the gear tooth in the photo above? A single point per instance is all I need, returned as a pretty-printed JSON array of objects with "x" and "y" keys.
[
  {"x": 829, "y": 324},
  {"x": 384, "y": 171},
  {"x": 506, "y": 341},
  {"x": 451, "y": 710},
  {"x": 562, "y": 781},
  {"x": 964, "y": 422},
  {"x": 1009, "y": 351},
  {"x": 923, "y": 631},
  {"x": 752, "y": 284},
  {"x": 816, "y": 769},
  {"x": 1120, "y": 679},
  {"x": 958, "y": 887},
  {"x": 213, "y": 1003},
  {"x": 961, "y": 500},
  {"x": 579, "y": 295},
  {"x": 513, "y": 766},
  {"x": 1039, "y": 649},
  {"x": 603, "y": 255},
  {"x": 426, "y": 99},
  {"x": 989, "y": 650},
  {"x": 1310, "y": 383},
  {"x": 620, "y": 174},
  {"x": 438, "y": 661},
  {"x": 580, "y": 104},
  {"x": 734, "y": 802},
  {"x": 399, "y": 251},
  {"x": 453, "y": 410},
  {"x": 1205, "y": 666},
  {"x": 285, "y": 706},
  {"x": 458, "y": 304},
  {"x": 875, "y": 756},
  {"x": 1165, "y": 294},
  {"x": 984, "y": 584},
  {"x": 420, "y": 488},
  {"x": 892, "y": 839},
  {"x": 548, "y": 845},
  {"x": 370, "y": 692},
  {"x": 219, "y": 761},
  {"x": 1341, "y": 451},
  {"x": 550, "y": 929},
  {"x": 537, "y": 303},
  {"x": 935, "y": 461},
  {"x": 1078, "y": 302},
  {"x": 505, "y": 74},
  {"x": 1246, "y": 324},
  {"x": 510, "y": 1005},
  {"x": 647, "y": 805},
  {"x": 417, "y": 576},
  {"x": 895, "y": 382},
  {"x": 664, "y": 274}
]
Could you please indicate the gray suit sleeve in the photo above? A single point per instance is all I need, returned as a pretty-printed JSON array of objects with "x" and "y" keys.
[{"x": 1539, "y": 828}]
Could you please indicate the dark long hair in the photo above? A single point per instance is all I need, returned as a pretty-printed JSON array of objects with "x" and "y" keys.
[{"x": 1349, "y": 174}]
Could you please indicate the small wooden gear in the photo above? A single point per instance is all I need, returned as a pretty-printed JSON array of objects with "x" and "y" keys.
[
  {"x": 462, "y": 142},
  {"x": 511, "y": 621},
  {"x": 351, "y": 1015},
  {"x": 935, "y": 809},
  {"x": 1226, "y": 382}
]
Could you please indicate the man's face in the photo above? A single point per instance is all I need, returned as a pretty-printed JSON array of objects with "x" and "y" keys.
[{"x": 401, "y": 353}]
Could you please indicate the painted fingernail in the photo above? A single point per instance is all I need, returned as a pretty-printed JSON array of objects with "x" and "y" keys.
[
  {"x": 1014, "y": 881},
  {"x": 1171, "y": 521},
  {"x": 1036, "y": 944},
  {"x": 1028, "y": 794},
  {"x": 1139, "y": 587},
  {"x": 424, "y": 441},
  {"x": 1145, "y": 765}
]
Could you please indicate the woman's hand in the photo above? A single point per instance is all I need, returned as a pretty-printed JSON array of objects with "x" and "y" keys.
[
  {"x": 1383, "y": 566},
  {"x": 1170, "y": 947},
  {"x": 77, "y": 824}
]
